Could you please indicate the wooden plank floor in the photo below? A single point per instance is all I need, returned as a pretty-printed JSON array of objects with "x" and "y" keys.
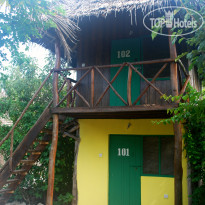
[{"x": 120, "y": 112}]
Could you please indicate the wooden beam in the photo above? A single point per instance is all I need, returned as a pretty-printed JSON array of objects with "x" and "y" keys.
[
  {"x": 112, "y": 109},
  {"x": 118, "y": 95},
  {"x": 119, "y": 112},
  {"x": 165, "y": 60},
  {"x": 182, "y": 67},
  {"x": 107, "y": 88},
  {"x": 184, "y": 86},
  {"x": 178, "y": 164},
  {"x": 73, "y": 129},
  {"x": 173, "y": 66},
  {"x": 153, "y": 80},
  {"x": 83, "y": 99},
  {"x": 71, "y": 136},
  {"x": 145, "y": 79},
  {"x": 52, "y": 155},
  {"x": 73, "y": 88}
]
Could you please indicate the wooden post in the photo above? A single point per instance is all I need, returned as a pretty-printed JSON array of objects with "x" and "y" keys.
[
  {"x": 178, "y": 164},
  {"x": 69, "y": 96},
  {"x": 75, "y": 188},
  {"x": 52, "y": 155},
  {"x": 173, "y": 67},
  {"x": 177, "y": 129}
]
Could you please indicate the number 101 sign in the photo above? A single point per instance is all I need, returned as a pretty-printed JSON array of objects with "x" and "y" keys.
[{"x": 125, "y": 152}]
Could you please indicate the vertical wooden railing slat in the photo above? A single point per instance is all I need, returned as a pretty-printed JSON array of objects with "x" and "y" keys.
[
  {"x": 92, "y": 86},
  {"x": 129, "y": 81},
  {"x": 69, "y": 96}
]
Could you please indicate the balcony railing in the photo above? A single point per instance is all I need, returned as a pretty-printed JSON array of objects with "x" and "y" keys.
[
  {"x": 69, "y": 96},
  {"x": 93, "y": 98}
]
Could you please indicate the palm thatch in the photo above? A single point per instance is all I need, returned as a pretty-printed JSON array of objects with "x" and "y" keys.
[
  {"x": 77, "y": 9},
  {"x": 65, "y": 29},
  {"x": 81, "y": 8}
]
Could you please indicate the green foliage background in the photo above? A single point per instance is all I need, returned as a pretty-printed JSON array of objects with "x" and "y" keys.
[
  {"x": 21, "y": 20},
  {"x": 191, "y": 110},
  {"x": 26, "y": 18},
  {"x": 191, "y": 113},
  {"x": 19, "y": 84},
  {"x": 195, "y": 42}
]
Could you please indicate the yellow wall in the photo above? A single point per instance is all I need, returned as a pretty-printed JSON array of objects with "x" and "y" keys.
[
  {"x": 153, "y": 190},
  {"x": 92, "y": 169}
]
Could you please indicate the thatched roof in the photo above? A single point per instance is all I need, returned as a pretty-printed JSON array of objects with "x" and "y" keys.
[
  {"x": 77, "y": 9},
  {"x": 81, "y": 8}
]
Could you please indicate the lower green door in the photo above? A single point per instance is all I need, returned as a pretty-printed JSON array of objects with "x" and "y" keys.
[{"x": 124, "y": 170}]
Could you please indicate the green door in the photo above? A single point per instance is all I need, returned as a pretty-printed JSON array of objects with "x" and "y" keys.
[
  {"x": 124, "y": 170},
  {"x": 124, "y": 50}
]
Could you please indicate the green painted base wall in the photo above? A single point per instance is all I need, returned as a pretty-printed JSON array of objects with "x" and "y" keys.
[{"x": 93, "y": 168}]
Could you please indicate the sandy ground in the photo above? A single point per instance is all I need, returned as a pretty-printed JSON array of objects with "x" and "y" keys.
[{"x": 17, "y": 203}]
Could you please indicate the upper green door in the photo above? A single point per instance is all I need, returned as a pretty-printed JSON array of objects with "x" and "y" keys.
[
  {"x": 124, "y": 50},
  {"x": 124, "y": 170}
]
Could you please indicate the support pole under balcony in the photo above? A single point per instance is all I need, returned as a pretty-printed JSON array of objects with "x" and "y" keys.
[
  {"x": 52, "y": 155},
  {"x": 177, "y": 129},
  {"x": 178, "y": 164}
]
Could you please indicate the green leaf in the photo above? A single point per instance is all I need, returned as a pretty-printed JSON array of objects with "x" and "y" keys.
[
  {"x": 154, "y": 35},
  {"x": 185, "y": 97}
]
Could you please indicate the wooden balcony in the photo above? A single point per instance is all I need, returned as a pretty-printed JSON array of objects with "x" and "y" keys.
[{"x": 88, "y": 97}]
